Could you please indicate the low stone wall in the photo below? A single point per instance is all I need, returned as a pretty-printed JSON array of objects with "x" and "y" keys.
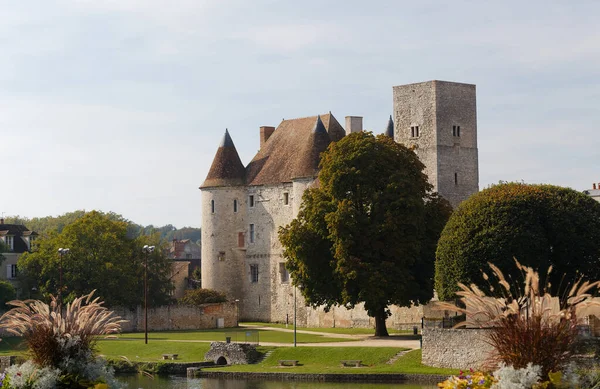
[
  {"x": 177, "y": 317},
  {"x": 231, "y": 353},
  {"x": 455, "y": 348},
  {"x": 5, "y": 362},
  {"x": 425, "y": 379}
]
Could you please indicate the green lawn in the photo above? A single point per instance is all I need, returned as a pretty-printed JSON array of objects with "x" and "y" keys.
[
  {"x": 12, "y": 346},
  {"x": 337, "y": 330},
  {"x": 137, "y": 351},
  {"x": 237, "y": 334},
  {"x": 327, "y": 360}
]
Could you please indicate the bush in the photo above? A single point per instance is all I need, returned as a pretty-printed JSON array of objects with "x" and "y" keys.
[
  {"x": 7, "y": 293},
  {"x": 541, "y": 225},
  {"x": 202, "y": 296}
]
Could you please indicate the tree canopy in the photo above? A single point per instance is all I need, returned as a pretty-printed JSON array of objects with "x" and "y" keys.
[
  {"x": 539, "y": 225},
  {"x": 368, "y": 232},
  {"x": 7, "y": 293},
  {"x": 103, "y": 257}
]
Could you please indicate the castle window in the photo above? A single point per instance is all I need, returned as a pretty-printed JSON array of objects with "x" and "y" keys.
[
  {"x": 414, "y": 131},
  {"x": 212, "y": 206},
  {"x": 251, "y": 233},
  {"x": 254, "y": 273},
  {"x": 251, "y": 200},
  {"x": 283, "y": 272},
  {"x": 455, "y": 130},
  {"x": 455, "y": 178},
  {"x": 241, "y": 239},
  {"x": 234, "y": 205},
  {"x": 221, "y": 255},
  {"x": 286, "y": 198}
]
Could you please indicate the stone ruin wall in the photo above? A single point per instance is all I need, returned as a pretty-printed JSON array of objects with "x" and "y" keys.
[{"x": 455, "y": 348}]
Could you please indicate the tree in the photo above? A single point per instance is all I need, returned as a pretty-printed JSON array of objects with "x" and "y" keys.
[
  {"x": 7, "y": 293},
  {"x": 368, "y": 233},
  {"x": 540, "y": 225},
  {"x": 102, "y": 257}
]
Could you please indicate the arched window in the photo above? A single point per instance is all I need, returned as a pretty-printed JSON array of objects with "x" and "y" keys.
[{"x": 212, "y": 206}]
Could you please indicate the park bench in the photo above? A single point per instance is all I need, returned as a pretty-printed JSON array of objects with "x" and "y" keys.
[
  {"x": 351, "y": 362},
  {"x": 170, "y": 356},
  {"x": 288, "y": 362}
]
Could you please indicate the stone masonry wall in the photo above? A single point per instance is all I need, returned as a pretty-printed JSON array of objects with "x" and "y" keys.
[
  {"x": 177, "y": 317},
  {"x": 233, "y": 353},
  {"x": 455, "y": 348},
  {"x": 6, "y": 362}
]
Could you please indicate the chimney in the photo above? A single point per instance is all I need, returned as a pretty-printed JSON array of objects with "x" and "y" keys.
[
  {"x": 353, "y": 124},
  {"x": 265, "y": 134}
]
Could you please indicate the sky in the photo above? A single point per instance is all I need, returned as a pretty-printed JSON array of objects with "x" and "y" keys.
[{"x": 119, "y": 105}]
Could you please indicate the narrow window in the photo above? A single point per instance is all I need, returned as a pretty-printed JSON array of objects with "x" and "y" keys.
[
  {"x": 254, "y": 273},
  {"x": 453, "y": 130},
  {"x": 457, "y": 130},
  {"x": 212, "y": 206},
  {"x": 286, "y": 198},
  {"x": 251, "y": 200},
  {"x": 241, "y": 239},
  {"x": 9, "y": 243},
  {"x": 13, "y": 272},
  {"x": 251, "y": 233},
  {"x": 234, "y": 205},
  {"x": 455, "y": 178},
  {"x": 412, "y": 132},
  {"x": 285, "y": 275},
  {"x": 417, "y": 131}
]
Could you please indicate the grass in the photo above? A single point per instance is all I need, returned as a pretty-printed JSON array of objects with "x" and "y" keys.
[
  {"x": 327, "y": 360},
  {"x": 336, "y": 330},
  {"x": 235, "y": 333},
  {"x": 12, "y": 346},
  {"x": 137, "y": 351}
]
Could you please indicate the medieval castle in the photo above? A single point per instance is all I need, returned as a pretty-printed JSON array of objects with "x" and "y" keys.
[{"x": 243, "y": 207}]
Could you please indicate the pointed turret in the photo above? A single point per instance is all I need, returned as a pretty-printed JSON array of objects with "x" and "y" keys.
[
  {"x": 317, "y": 142},
  {"x": 227, "y": 168},
  {"x": 389, "y": 130}
]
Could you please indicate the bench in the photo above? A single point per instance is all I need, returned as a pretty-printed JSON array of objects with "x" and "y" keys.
[
  {"x": 351, "y": 362},
  {"x": 288, "y": 362},
  {"x": 170, "y": 356}
]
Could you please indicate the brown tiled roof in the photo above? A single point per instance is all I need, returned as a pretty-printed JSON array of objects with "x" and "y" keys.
[
  {"x": 227, "y": 168},
  {"x": 292, "y": 151}
]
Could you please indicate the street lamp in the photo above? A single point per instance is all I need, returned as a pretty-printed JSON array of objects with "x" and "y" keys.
[
  {"x": 61, "y": 252},
  {"x": 295, "y": 316},
  {"x": 146, "y": 250},
  {"x": 237, "y": 312}
]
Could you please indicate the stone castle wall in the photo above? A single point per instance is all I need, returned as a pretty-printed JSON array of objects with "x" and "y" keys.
[
  {"x": 168, "y": 318},
  {"x": 455, "y": 348}
]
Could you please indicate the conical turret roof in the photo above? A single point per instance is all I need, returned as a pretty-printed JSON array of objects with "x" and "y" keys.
[
  {"x": 316, "y": 143},
  {"x": 227, "y": 168},
  {"x": 389, "y": 130}
]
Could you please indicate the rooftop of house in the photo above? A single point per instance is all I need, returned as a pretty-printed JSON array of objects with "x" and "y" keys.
[
  {"x": 19, "y": 233},
  {"x": 291, "y": 151}
]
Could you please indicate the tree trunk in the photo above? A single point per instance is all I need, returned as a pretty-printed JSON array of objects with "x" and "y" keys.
[{"x": 380, "y": 328}]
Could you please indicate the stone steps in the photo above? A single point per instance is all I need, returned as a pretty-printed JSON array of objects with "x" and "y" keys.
[
  {"x": 263, "y": 357},
  {"x": 395, "y": 357}
]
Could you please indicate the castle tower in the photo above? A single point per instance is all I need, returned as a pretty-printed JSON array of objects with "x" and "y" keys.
[
  {"x": 223, "y": 214},
  {"x": 439, "y": 119}
]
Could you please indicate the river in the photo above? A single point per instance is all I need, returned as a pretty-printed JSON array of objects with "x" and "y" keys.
[{"x": 142, "y": 382}]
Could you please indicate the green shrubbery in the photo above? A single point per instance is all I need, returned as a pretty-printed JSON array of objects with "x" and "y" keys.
[{"x": 202, "y": 296}]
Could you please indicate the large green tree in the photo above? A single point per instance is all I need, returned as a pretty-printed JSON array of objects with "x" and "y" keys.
[
  {"x": 540, "y": 225},
  {"x": 368, "y": 232},
  {"x": 103, "y": 257}
]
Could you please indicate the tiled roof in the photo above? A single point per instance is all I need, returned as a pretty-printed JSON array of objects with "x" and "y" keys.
[
  {"x": 227, "y": 168},
  {"x": 292, "y": 151},
  {"x": 17, "y": 231}
]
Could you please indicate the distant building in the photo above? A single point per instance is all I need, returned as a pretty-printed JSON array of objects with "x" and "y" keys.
[
  {"x": 594, "y": 192},
  {"x": 17, "y": 239},
  {"x": 186, "y": 258}
]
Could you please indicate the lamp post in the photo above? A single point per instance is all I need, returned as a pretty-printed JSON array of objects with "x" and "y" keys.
[
  {"x": 146, "y": 250},
  {"x": 61, "y": 252},
  {"x": 237, "y": 312},
  {"x": 295, "y": 316}
]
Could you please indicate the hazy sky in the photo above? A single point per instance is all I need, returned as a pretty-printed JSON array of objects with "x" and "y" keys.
[{"x": 120, "y": 105}]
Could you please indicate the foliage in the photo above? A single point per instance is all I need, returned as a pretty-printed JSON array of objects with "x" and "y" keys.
[
  {"x": 7, "y": 293},
  {"x": 542, "y": 225},
  {"x": 196, "y": 278},
  {"x": 511, "y": 378},
  {"x": 102, "y": 257},
  {"x": 49, "y": 224},
  {"x": 529, "y": 326},
  {"x": 368, "y": 232},
  {"x": 470, "y": 380},
  {"x": 202, "y": 296},
  {"x": 61, "y": 342}
]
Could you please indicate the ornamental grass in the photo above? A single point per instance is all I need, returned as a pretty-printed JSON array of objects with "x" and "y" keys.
[
  {"x": 526, "y": 324},
  {"x": 53, "y": 335}
]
